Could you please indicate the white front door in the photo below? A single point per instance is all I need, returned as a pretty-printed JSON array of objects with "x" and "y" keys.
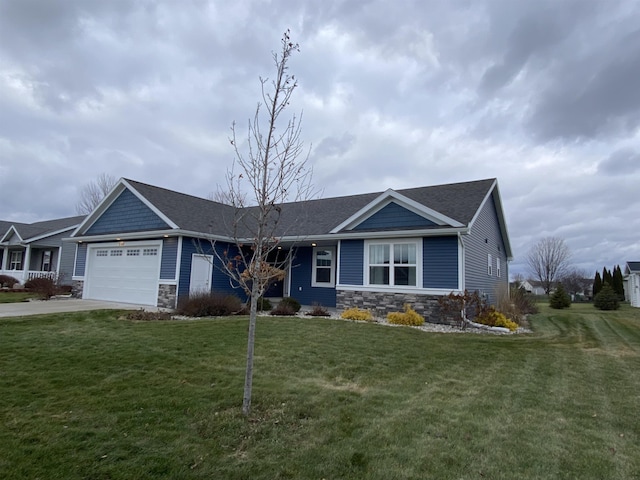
[{"x": 201, "y": 269}]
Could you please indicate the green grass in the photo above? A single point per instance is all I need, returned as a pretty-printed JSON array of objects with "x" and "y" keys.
[
  {"x": 91, "y": 396},
  {"x": 15, "y": 297}
]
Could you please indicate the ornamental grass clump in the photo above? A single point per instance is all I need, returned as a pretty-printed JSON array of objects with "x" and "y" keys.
[
  {"x": 356, "y": 313},
  {"x": 408, "y": 317}
]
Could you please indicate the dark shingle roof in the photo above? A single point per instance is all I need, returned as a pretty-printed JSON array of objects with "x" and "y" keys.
[
  {"x": 459, "y": 201},
  {"x": 38, "y": 229},
  {"x": 634, "y": 266}
]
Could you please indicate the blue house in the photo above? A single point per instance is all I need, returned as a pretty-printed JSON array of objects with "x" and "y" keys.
[{"x": 148, "y": 245}]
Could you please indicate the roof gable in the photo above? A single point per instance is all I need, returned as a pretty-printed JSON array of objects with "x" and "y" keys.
[
  {"x": 632, "y": 267},
  {"x": 413, "y": 215}
]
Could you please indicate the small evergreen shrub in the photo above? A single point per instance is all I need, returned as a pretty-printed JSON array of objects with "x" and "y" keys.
[
  {"x": 290, "y": 302},
  {"x": 318, "y": 311},
  {"x": 8, "y": 281},
  {"x": 264, "y": 304},
  {"x": 606, "y": 299},
  {"x": 356, "y": 313},
  {"x": 408, "y": 317},
  {"x": 560, "y": 298},
  {"x": 209, "y": 304},
  {"x": 44, "y": 287}
]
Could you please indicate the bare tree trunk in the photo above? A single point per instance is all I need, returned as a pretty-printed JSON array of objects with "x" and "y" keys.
[{"x": 248, "y": 378}]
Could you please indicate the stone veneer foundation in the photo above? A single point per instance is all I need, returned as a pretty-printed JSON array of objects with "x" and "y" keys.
[
  {"x": 167, "y": 296},
  {"x": 381, "y": 303},
  {"x": 77, "y": 286}
]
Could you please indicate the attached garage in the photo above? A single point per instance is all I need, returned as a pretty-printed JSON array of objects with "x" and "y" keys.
[{"x": 126, "y": 273}]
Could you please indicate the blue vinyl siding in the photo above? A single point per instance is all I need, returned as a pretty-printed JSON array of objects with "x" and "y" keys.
[
  {"x": 220, "y": 281},
  {"x": 301, "y": 273},
  {"x": 127, "y": 214},
  {"x": 394, "y": 216},
  {"x": 351, "y": 262},
  {"x": 440, "y": 262},
  {"x": 485, "y": 239},
  {"x": 81, "y": 260},
  {"x": 169, "y": 258}
]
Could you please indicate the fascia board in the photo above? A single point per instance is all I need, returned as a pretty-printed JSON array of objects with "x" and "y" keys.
[
  {"x": 350, "y": 235},
  {"x": 387, "y": 197},
  {"x": 146, "y": 234},
  {"x": 494, "y": 192}
]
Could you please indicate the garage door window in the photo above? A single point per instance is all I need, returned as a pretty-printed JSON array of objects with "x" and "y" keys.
[
  {"x": 133, "y": 252},
  {"x": 102, "y": 253},
  {"x": 116, "y": 253},
  {"x": 150, "y": 251}
]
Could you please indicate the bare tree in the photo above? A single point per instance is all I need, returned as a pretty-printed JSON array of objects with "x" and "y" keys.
[
  {"x": 93, "y": 193},
  {"x": 548, "y": 261},
  {"x": 575, "y": 281},
  {"x": 271, "y": 172},
  {"x": 221, "y": 195}
]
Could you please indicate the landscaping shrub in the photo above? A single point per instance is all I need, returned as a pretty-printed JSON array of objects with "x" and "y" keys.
[
  {"x": 408, "y": 317},
  {"x": 209, "y": 304},
  {"x": 8, "y": 281},
  {"x": 264, "y": 304},
  {"x": 606, "y": 299},
  {"x": 44, "y": 287},
  {"x": 560, "y": 298},
  {"x": 357, "y": 314},
  {"x": 290, "y": 302},
  {"x": 451, "y": 306},
  {"x": 283, "y": 310},
  {"x": 318, "y": 311},
  {"x": 493, "y": 318}
]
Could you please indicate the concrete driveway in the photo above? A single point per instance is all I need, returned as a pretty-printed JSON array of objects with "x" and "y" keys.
[{"x": 59, "y": 305}]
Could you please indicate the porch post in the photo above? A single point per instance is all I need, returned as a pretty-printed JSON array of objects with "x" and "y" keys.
[
  {"x": 5, "y": 254},
  {"x": 25, "y": 264}
]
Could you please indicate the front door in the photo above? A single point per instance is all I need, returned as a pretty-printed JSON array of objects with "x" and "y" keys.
[{"x": 201, "y": 269}]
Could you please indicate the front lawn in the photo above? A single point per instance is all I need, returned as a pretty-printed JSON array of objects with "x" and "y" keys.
[
  {"x": 15, "y": 297},
  {"x": 91, "y": 396}
]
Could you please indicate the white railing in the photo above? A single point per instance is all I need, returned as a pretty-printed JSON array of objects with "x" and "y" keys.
[{"x": 23, "y": 275}]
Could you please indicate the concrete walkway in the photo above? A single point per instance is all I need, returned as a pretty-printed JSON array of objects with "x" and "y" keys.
[{"x": 60, "y": 305}]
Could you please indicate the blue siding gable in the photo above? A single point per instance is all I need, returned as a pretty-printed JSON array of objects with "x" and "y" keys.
[
  {"x": 127, "y": 214},
  {"x": 394, "y": 216},
  {"x": 440, "y": 262}
]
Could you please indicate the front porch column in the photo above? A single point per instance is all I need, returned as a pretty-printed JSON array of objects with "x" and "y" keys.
[
  {"x": 5, "y": 259},
  {"x": 25, "y": 264}
]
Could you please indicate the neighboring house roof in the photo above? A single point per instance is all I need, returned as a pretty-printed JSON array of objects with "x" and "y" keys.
[
  {"x": 29, "y": 232},
  {"x": 457, "y": 204},
  {"x": 633, "y": 267}
]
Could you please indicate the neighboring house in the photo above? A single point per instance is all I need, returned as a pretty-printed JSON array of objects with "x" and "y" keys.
[
  {"x": 29, "y": 250},
  {"x": 533, "y": 286},
  {"x": 149, "y": 245},
  {"x": 632, "y": 283}
]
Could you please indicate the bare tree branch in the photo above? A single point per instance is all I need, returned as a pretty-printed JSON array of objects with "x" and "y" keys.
[{"x": 93, "y": 193}]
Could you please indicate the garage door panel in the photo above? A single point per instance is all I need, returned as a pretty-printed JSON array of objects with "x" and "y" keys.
[{"x": 124, "y": 274}]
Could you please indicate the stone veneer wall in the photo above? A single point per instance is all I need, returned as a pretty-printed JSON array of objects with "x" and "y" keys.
[
  {"x": 77, "y": 286},
  {"x": 381, "y": 303},
  {"x": 167, "y": 296}
]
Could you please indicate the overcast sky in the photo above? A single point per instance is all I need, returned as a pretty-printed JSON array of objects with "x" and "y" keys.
[{"x": 543, "y": 95}]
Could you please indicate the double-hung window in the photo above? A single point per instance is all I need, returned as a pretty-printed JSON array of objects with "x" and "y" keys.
[
  {"x": 393, "y": 263},
  {"x": 323, "y": 267},
  {"x": 15, "y": 261},
  {"x": 47, "y": 255}
]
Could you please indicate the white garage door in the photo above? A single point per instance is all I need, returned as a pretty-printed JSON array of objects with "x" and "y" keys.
[{"x": 126, "y": 274}]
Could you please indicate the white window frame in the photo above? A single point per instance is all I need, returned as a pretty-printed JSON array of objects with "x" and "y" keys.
[
  {"x": 15, "y": 260},
  {"x": 498, "y": 271},
  {"x": 46, "y": 264},
  {"x": 332, "y": 267},
  {"x": 489, "y": 265},
  {"x": 392, "y": 242}
]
